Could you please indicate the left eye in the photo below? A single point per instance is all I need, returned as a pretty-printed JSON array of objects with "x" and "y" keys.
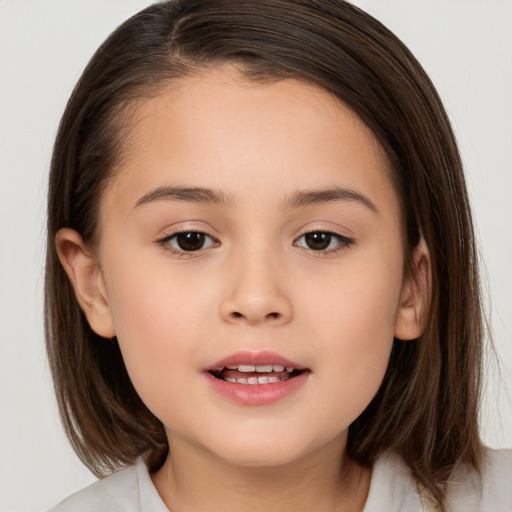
[
  {"x": 190, "y": 241},
  {"x": 321, "y": 240}
]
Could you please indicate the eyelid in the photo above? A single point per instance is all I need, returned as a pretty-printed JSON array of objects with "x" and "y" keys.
[
  {"x": 189, "y": 226},
  {"x": 344, "y": 241},
  {"x": 163, "y": 241}
]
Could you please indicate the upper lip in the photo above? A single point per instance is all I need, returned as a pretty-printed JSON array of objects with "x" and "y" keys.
[{"x": 261, "y": 358}]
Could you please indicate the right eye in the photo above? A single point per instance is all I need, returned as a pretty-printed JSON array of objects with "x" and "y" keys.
[{"x": 188, "y": 241}]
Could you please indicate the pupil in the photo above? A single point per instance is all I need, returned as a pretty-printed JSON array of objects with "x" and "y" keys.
[
  {"x": 190, "y": 241},
  {"x": 318, "y": 241}
]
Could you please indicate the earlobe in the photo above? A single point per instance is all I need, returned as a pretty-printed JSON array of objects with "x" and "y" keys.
[
  {"x": 84, "y": 273},
  {"x": 415, "y": 297}
]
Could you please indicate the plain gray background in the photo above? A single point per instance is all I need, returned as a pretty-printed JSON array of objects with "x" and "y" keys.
[{"x": 466, "y": 47}]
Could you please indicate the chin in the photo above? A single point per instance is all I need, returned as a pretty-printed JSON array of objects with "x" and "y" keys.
[{"x": 267, "y": 451}]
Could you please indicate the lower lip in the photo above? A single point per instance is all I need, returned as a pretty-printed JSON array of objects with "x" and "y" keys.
[{"x": 257, "y": 394}]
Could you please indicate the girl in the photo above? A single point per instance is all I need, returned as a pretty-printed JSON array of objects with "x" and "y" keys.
[{"x": 261, "y": 286}]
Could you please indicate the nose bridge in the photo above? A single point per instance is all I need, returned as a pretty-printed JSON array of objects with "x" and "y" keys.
[{"x": 256, "y": 291}]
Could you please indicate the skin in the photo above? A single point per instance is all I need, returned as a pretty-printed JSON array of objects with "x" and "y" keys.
[{"x": 255, "y": 285}]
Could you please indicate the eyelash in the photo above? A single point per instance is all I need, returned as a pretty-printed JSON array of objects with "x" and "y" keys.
[
  {"x": 182, "y": 253},
  {"x": 343, "y": 242}
]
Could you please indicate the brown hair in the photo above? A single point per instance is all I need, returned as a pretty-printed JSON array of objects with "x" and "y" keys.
[{"x": 427, "y": 406}]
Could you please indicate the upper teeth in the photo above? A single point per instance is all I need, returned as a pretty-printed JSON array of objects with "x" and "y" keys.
[{"x": 260, "y": 368}]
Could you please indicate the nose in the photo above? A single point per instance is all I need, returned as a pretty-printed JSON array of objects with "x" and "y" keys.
[{"x": 256, "y": 293}]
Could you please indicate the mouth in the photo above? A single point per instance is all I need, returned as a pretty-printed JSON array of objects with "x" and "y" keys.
[
  {"x": 256, "y": 374},
  {"x": 256, "y": 378},
  {"x": 256, "y": 368}
]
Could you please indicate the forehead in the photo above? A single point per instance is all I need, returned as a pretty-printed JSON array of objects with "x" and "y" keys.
[{"x": 218, "y": 128}]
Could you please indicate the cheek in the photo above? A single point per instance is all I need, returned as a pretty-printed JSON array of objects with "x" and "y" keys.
[
  {"x": 360, "y": 300},
  {"x": 353, "y": 325},
  {"x": 152, "y": 298},
  {"x": 156, "y": 320}
]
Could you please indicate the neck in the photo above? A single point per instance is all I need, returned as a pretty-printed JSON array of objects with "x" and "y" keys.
[{"x": 325, "y": 481}]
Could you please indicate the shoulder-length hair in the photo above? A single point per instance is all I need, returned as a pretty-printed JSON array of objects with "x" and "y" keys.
[{"x": 427, "y": 406}]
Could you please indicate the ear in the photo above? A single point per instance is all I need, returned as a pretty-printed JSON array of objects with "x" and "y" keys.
[
  {"x": 415, "y": 296},
  {"x": 86, "y": 277}
]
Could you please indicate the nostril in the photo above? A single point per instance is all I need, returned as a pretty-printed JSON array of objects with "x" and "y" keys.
[{"x": 274, "y": 315}]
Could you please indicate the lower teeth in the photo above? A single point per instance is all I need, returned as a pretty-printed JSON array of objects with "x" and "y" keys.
[
  {"x": 255, "y": 380},
  {"x": 268, "y": 378}
]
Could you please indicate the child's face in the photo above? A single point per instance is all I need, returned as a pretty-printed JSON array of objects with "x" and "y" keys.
[{"x": 279, "y": 161}]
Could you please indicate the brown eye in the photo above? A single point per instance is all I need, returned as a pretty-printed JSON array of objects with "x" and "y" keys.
[
  {"x": 317, "y": 240},
  {"x": 190, "y": 241},
  {"x": 323, "y": 241}
]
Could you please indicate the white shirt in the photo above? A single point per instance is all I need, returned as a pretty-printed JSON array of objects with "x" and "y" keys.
[{"x": 392, "y": 489}]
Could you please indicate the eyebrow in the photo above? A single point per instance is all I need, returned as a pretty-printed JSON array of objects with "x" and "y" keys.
[
  {"x": 300, "y": 198},
  {"x": 186, "y": 194},
  {"x": 309, "y": 197}
]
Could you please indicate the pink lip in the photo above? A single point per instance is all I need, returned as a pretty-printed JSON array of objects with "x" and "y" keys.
[
  {"x": 254, "y": 358},
  {"x": 256, "y": 394}
]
